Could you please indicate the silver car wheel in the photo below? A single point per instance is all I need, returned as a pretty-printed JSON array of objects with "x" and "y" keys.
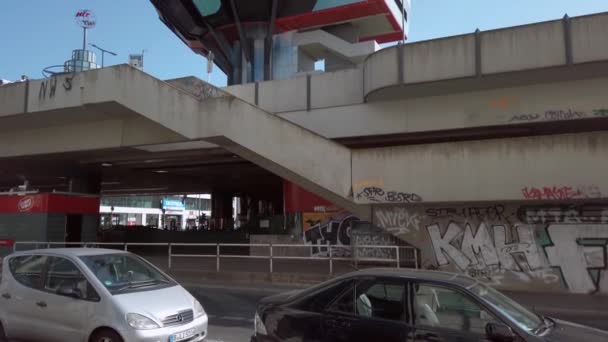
[{"x": 106, "y": 336}]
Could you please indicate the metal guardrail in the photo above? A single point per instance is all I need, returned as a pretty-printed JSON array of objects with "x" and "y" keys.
[{"x": 397, "y": 253}]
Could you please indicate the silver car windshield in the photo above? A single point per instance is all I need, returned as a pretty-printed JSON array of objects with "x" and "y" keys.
[
  {"x": 524, "y": 318},
  {"x": 124, "y": 272}
]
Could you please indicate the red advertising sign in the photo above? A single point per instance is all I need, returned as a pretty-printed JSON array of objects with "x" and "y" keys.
[
  {"x": 49, "y": 203},
  {"x": 26, "y": 203}
]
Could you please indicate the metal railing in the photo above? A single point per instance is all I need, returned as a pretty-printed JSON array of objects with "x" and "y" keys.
[{"x": 393, "y": 256}]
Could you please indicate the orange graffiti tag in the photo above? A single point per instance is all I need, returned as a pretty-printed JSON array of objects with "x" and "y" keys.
[{"x": 503, "y": 102}]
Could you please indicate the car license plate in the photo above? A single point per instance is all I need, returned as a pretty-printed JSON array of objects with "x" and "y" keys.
[{"x": 184, "y": 335}]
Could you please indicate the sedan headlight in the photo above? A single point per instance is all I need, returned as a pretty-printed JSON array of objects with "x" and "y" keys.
[
  {"x": 258, "y": 326},
  {"x": 141, "y": 322},
  {"x": 198, "y": 309}
]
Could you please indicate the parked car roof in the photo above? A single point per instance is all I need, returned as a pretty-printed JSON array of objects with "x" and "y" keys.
[{"x": 74, "y": 252}]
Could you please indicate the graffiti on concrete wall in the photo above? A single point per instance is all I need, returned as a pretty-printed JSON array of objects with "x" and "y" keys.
[
  {"x": 550, "y": 115},
  {"x": 484, "y": 251},
  {"x": 48, "y": 87},
  {"x": 398, "y": 221},
  {"x": 544, "y": 214},
  {"x": 333, "y": 229},
  {"x": 558, "y": 115},
  {"x": 544, "y": 247},
  {"x": 579, "y": 253},
  {"x": 377, "y": 194},
  {"x": 374, "y": 239},
  {"x": 199, "y": 89},
  {"x": 562, "y": 192}
]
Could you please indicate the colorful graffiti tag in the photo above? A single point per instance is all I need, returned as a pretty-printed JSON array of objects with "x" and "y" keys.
[{"x": 540, "y": 247}]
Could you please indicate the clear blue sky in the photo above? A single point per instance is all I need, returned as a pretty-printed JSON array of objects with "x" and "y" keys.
[{"x": 38, "y": 33}]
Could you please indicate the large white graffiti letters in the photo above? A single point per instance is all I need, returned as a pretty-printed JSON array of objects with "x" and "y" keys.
[
  {"x": 580, "y": 253},
  {"x": 398, "y": 221},
  {"x": 468, "y": 249}
]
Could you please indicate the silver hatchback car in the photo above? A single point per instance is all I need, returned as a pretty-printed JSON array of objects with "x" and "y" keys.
[{"x": 99, "y": 295}]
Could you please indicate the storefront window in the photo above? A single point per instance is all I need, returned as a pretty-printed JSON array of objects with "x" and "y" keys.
[{"x": 152, "y": 220}]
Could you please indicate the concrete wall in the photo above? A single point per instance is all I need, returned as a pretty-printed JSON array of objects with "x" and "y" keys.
[
  {"x": 546, "y": 247},
  {"x": 559, "y": 101},
  {"x": 380, "y": 70},
  {"x": 338, "y": 88},
  {"x": 12, "y": 98},
  {"x": 525, "y": 47},
  {"x": 439, "y": 59},
  {"x": 553, "y": 167},
  {"x": 329, "y": 89},
  {"x": 588, "y": 45},
  {"x": 283, "y": 95},
  {"x": 245, "y": 92},
  {"x": 513, "y": 49}
]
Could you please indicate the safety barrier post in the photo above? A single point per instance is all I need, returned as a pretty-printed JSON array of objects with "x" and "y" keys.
[
  {"x": 270, "y": 259},
  {"x": 415, "y": 258},
  {"x": 169, "y": 258},
  {"x": 217, "y": 256},
  {"x": 331, "y": 258},
  {"x": 398, "y": 258}
]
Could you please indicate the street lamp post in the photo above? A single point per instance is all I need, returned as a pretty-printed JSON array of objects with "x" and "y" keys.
[{"x": 103, "y": 52}]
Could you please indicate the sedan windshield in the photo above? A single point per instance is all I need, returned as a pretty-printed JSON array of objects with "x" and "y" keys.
[
  {"x": 124, "y": 272},
  {"x": 525, "y": 319}
]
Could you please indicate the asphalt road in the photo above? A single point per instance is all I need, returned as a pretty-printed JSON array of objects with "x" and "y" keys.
[{"x": 231, "y": 311}]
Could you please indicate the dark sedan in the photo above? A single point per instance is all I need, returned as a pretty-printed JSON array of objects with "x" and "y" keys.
[{"x": 402, "y": 305}]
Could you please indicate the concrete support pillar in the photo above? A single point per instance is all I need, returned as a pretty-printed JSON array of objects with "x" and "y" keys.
[{"x": 221, "y": 209}]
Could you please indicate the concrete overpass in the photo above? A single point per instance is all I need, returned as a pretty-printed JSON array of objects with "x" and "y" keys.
[{"x": 494, "y": 130}]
